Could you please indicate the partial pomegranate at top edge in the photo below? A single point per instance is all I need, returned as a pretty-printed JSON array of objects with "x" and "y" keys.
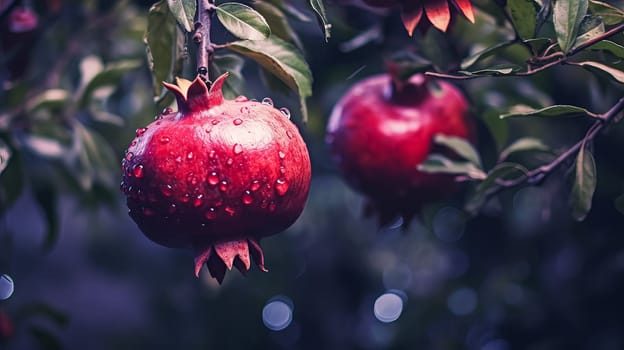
[{"x": 216, "y": 176}]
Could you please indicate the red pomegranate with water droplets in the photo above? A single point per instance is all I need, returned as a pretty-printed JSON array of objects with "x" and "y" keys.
[
  {"x": 382, "y": 129},
  {"x": 216, "y": 176}
]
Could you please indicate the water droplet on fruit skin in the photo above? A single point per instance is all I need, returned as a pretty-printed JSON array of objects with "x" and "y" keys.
[
  {"x": 231, "y": 211},
  {"x": 164, "y": 139},
  {"x": 281, "y": 186},
  {"x": 137, "y": 171},
  {"x": 199, "y": 200},
  {"x": 267, "y": 101},
  {"x": 172, "y": 208},
  {"x": 167, "y": 110},
  {"x": 186, "y": 198},
  {"x": 213, "y": 178},
  {"x": 189, "y": 156},
  {"x": 140, "y": 131},
  {"x": 212, "y": 154},
  {"x": 147, "y": 211},
  {"x": 241, "y": 98},
  {"x": 230, "y": 161},
  {"x": 281, "y": 154},
  {"x": 255, "y": 185},
  {"x": 285, "y": 111},
  {"x": 289, "y": 134},
  {"x": 223, "y": 186},
  {"x": 133, "y": 143},
  {"x": 264, "y": 203},
  {"x": 167, "y": 190},
  {"x": 237, "y": 149},
  {"x": 178, "y": 159},
  {"x": 282, "y": 170},
  {"x": 237, "y": 121},
  {"x": 272, "y": 206},
  {"x": 247, "y": 197},
  {"x": 214, "y": 122},
  {"x": 211, "y": 214},
  {"x": 244, "y": 109}
]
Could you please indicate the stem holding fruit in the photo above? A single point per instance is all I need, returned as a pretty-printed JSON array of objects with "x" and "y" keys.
[{"x": 201, "y": 36}]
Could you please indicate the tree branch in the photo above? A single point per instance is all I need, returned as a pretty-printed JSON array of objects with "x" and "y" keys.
[{"x": 201, "y": 36}]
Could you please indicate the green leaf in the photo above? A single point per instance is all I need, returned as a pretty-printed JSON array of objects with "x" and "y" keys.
[
  {"x": 610, "y": 14},
  {"x": 165, "y": 47},
  {"x": 567, "y": 15},
  {"x": 233, "y": 64},
  {"x": 48, "y": 99},
  {"x": 550, "y": 111},
  {"x": 439, "y": 164},
  {"x": 278, "y": 23},
  {"x": 584, "y": 184},
  {"x": 619, "y": 203},
  {"x": 243, "y": 21},
  {"x": 319, "y": 9},
  {"x": 184, "y": 12},
  {"x": 523, "y": 15},
  {"x": 590, "y": 27},
  {"x": 613, "y": 72},
  {"x": 472, "y": 59},
  {"x": 45, "y": 197},
  {"x": 502, "y": 171},
  {"x": 281, "y": 59},
  {"x": 523, "y": 144},
  {"x": 492, "y": 71},
  {"x": 607, "y": 45},
  {"x": 11, "y": 179},
  {"x": 498, "y": 128},
  {"x": 460, "y": 146},
  {"x": 111, "y": 75}
]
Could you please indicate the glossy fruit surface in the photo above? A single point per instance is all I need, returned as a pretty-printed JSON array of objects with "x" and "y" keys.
[
  {"x": 379, "y": 133},
  {"x": 216, "y": 176}
]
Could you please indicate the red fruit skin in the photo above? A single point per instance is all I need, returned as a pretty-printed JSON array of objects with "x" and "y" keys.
[
  {"x": 216, "y": 173},
  {"x": 378, "y": 137}
]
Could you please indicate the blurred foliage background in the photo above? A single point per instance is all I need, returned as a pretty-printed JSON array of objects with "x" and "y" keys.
[{"x": 522, "y": 274}]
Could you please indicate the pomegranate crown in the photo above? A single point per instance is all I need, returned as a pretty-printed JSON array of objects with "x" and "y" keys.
[{"x": 195, "y": 95}]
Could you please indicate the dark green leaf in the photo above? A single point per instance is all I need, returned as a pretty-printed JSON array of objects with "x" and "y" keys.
[
  {"x": 472, "y": 59},
  {"x": 184, "y": 12},
  {"x": 523, "y": 144},
  {"x": 619, "y": 203},
  {"x": 49, "y": 99},
  {"x": 544, "y": 14},
  {"x": 492, "y": 71},
  {"x": 550, "y": 111},
  {"x": 502, "y": 171},
  {"x": 584, "y": 184},
  {"x": 499, "y": 129},
  {"x": 319, "y": 9},
  {"x": 613, "y": 72},
  {"x": 243, "y": 21},
  {"x": 45, "y": 197},
  {"x": 567, "y": 15},
  {"x": 439, "y": 164},
  {"x": 460, "y": 146},
  {"x": 283, "y": 60},
  {"x": 233, "y": 64},
  {"x": 610, "y": 14},
  {"x": 278, "y": 22},
  {"x": 11, "y": 181},
  {"x": 591, "y": 26},
  {"x": 165, "y": 47},
  {"x": 5, "y": 155},
  {"x": 614, "y": 48},
  {"x": 109, "y": 76},
  {"x": 523, "y": 15}
]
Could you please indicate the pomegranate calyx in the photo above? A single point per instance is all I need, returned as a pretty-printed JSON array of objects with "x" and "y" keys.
[
  {"x": 195, "y": 95},
  {"x": 222, "y": 256},
  {"x": 409, "y": 92}
]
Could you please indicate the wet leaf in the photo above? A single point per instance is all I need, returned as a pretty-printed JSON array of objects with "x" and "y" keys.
[
  {"x": 184, "y": 12},
  {"x": 613, "y": 72},
  {"x": 462, "y": 147},
  {"x": 523, "y": 15},
  {"x": 568, "y": 15},
  {"x": 281, "y": 59},
  {"x": 523, "y": 144},
  {"x": 550, "y": 111},
  {"x": 243, "y": 21},
  {"x": 584, "y": 184},
  {"x": 319, "y": 10}
]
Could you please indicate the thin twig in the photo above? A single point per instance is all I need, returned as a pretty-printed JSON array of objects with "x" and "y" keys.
[{"x": 201, "y": 36}]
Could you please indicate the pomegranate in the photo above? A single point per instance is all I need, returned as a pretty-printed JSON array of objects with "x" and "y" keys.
[
  {"x": 382, "y": 129},
  {"x": 216, "y": 176}
]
